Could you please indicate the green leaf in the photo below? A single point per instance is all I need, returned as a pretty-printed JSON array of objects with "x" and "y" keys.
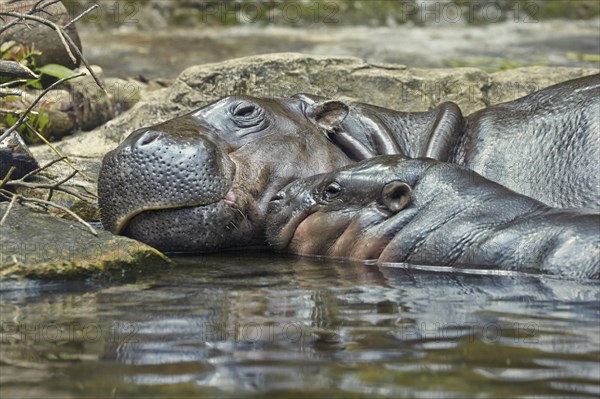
[
  {"x": 42, "y": 121},
  {"x": 34, "y": 84},
  {"x": 6, "y": 46},
  {"x": 12, "y": 119},
  {"x": 58, "y": 71}
]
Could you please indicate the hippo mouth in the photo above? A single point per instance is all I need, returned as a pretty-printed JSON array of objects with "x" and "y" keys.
[
  {"x": 134, "y": 216},
  {"x": 201, "y": 228},
  {"x": 280, "y": 233}
]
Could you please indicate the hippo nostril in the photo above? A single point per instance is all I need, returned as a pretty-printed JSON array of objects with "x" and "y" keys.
[
  {"x": 148, "y": 138},
  {"x": 277, "y": 197}
]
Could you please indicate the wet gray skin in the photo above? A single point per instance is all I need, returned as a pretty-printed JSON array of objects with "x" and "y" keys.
[
  {"x": 422, "y": 211},
  {"x": 548, "y": 138},
  {"x": 202, "y": 182}
]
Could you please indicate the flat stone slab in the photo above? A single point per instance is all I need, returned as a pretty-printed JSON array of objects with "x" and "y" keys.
[
  {"x": 36, "y": 245},
  {"x": 347, "y": 78}
]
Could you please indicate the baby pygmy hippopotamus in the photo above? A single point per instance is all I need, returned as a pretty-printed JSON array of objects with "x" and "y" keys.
[{"x": 421, "y": 211}]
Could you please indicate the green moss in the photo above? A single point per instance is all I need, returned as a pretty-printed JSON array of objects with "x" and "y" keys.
[
  {"x": 583, "y": 57},
  {"x": 489, "y": 65},
  {"x": 139, "y": 260}
]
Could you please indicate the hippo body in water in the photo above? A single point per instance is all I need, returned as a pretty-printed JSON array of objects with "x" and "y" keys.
[
  {"x": 202, "y": 182},
  {"x": 421, "y": 211}
]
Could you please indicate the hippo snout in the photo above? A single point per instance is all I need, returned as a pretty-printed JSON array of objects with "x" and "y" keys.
[
  {"x": 289, "y": 197},
  {"x": 277, "y": 203},
  {"x": 277, "y": 198},
  {"x": 148, "y": 137},
  {"x": 155, "y": 170}
]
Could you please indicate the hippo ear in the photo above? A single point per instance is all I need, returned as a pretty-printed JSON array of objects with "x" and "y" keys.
[
  {"x": 396, "y": 195},
  {"x": 328, "y": 114}
]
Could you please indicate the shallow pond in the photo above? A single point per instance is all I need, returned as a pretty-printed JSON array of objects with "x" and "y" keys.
[{"x": 243, "y": 325}]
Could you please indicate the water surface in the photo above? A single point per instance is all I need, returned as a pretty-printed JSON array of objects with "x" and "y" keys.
[{"x": 246, "y": 325}]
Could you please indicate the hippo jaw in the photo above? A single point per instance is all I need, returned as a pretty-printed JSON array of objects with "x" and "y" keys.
[
  {"x": 124, "y": 220},
  {"x": 193, "y": 229}
]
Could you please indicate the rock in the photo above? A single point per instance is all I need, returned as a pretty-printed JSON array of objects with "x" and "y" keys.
[
  {"x": 42, "y": 37},
  {"x": 285, "y": 74},
  {"x": 34, "y": 244},
  {"x": 78, "y": 104},
  {"x": 14, "y": 152},
  {"x": 514, "y": 83},
  {"x": 125, "y": 93},
  {"x": 91, "y": 106}
]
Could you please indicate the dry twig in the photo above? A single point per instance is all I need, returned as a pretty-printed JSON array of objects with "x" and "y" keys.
[
  {"x": 83, "y": 14},
  {"x": 7, "y": 177},
  {"x": 48, "y": 184},
  {"x": 8, "y": 209},
  {"x": 57, "y": 152}
]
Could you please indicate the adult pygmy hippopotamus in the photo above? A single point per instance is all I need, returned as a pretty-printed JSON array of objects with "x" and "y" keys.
[
  {"x": 202, "y": 181},
  {"x": 393, "y": 209}
]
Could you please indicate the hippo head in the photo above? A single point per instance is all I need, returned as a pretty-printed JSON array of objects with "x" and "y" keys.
[
  {"x": 329, "y": 214},
  {"x": 202, "y": 182}
]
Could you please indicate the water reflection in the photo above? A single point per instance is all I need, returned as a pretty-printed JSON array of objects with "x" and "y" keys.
[{"x": 246, "y": 324}]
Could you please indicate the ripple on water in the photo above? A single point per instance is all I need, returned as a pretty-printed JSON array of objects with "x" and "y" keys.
[{"x": 252, "y": 324}]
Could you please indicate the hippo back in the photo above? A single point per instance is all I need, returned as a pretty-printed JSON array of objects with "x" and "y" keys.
[{"x": 545, "y": 145}]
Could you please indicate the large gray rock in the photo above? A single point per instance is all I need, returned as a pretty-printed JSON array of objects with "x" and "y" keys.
[
  {"x": 15, "y": 153},
  {"x": 78, "y": 104},
  {"x": 514, "y": 83},
  {"x": 42, "y": 37},
  {"x": 35, "y": 244},
  {"x": 285, "y": 74}
]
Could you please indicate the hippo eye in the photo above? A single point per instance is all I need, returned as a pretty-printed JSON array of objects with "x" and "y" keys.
[
  {"x": 332, "y": 191},
  {"x": 248, "y": 115},
  {"x": 244, "y": 110}
]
